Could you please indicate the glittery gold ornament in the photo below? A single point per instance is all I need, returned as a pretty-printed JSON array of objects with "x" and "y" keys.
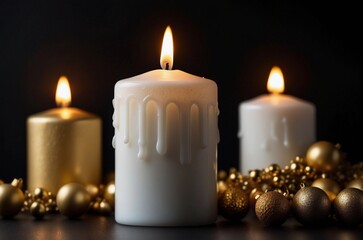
[
  {"x": 324, "y": 156},
  {"x": 330, "y": 187},
  {"x": 73, "y": 200},
  {"x": 272, "y": 208},
  {"x": 37, "y": 209},
  {"x": 109, "y": 194},
  {"x": 234, "y": 204},
  {"x": 311, "y": 205},
  {"x": 11, "y": 198},
  {"x": 348, "y": 206},
  {"x": 356, "y": 183}
]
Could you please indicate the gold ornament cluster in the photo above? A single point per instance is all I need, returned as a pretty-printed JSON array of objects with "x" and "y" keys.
[
  {"x": 317, "y": 188},
  {"x": 72, "y": 200}
]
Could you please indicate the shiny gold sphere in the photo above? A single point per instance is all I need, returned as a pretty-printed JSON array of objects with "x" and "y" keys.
[
  {"x": 311, "y": 205},
  {"x": 330, "y": 187},
  {"x": 109, "y": 194},
  {"x": 324, "y": 156},
  {"x": 254, "y": 195},
  {"x": 272, "y": 208},
  {"x": 348, "y": 206},
  {"x": 234, "y": 204},
  {"x": 93, "y": 190},
  {"x": 221, "y": 187},
  {"x": 11, "y": 200},
  {"x": 38, "y": 210},
  {"x": 105, "y": 208},
  {"x": 356, "y": 183},
  {"x": 73, "y": 200}
]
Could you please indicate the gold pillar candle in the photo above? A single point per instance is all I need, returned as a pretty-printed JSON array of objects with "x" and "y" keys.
[{"x": 63, "y": 145}]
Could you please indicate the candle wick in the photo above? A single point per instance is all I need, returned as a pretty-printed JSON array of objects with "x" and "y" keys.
[{"x": 167, "y": 66}]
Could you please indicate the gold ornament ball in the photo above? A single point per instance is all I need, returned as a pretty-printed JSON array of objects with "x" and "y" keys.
[
  {"x": 93, "y": 190},
  {"x": 11, "y": 200},
  {"x": 311, "y": 205},
  {"x": 356, "y": 183},
  {"x": 330, "y": 187},
  {"x": 234, "y": 204},
  {"x": 73, "y": 200},
  {"x": 38, "y": 210},
  {"x": 348, "y": 206},
  {"x": 254, "y": 195},
  {"x": 40, "y": 193},
  {"x": 324, "y": 156},
  {"x": 109, "y": 194},
  {"x": 105, "y": 208},
  {"x": 272, "y": 208},
  {"x": 221, "y": 187}
]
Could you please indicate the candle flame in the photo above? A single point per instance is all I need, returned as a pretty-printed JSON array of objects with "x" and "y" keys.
[
  {"x": 275, "y": 83},
  {"x": 63, "y": 94},
  {"x": 167, "y": 54}
]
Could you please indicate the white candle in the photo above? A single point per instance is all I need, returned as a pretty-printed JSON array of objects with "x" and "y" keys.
[
  {"x": 274, "y": 128},
  {"x": 165, "y": 142}
]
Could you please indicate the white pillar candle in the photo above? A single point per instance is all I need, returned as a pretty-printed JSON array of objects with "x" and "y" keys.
[
  {"x": 165, "y": 142},
  {"x": 274, "y": 128}
]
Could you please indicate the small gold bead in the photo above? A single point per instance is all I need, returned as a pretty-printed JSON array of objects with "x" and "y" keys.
[
  {"x": 222, "y": 175},
  {"x": 105, "y": 208},
  {"x": 92, "y": 190},
  {"x": 40, "y": 193},
  {"x": 274, "y": 168},
  {"x": 38, "y": 210}
]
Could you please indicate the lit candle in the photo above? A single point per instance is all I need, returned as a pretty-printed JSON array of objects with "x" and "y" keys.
[
  {"x": 166, "y": 138},
  {"x": 63, "y": 145},
  {"x": 274, "y": 128}
]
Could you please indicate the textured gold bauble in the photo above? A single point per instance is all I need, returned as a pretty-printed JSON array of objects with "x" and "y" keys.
[
  {"x": 234, "y": 204},
  {"x": 348, "y": 206},
  {"x": 330, "y": 187},
  {"x": 272, "y": 208},
  {"x": 73, "y": 200},
  {"x": 324, "y": 156},
  {"x": 356, "y": 183},
  {"x": 311, "y": 205},
  {"x": 11, "y": 200}
]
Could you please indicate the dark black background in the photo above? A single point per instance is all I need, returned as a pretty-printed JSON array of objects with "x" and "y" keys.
[{"x": 234, "y": 43}]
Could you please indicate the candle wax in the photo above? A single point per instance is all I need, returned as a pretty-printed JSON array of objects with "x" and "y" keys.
[
  {"x": 63, "y": 145},
  {"x": 166, "y": 139},
  {"x": 274, "y": 129}
]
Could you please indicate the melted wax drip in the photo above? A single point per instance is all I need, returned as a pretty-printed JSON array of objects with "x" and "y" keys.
[
  {"x": 274, "y": 135},
  {"x": 184, "y": 123}
]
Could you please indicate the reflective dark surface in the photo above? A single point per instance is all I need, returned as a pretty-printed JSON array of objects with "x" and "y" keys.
[{"x": 57, "y": 227}]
